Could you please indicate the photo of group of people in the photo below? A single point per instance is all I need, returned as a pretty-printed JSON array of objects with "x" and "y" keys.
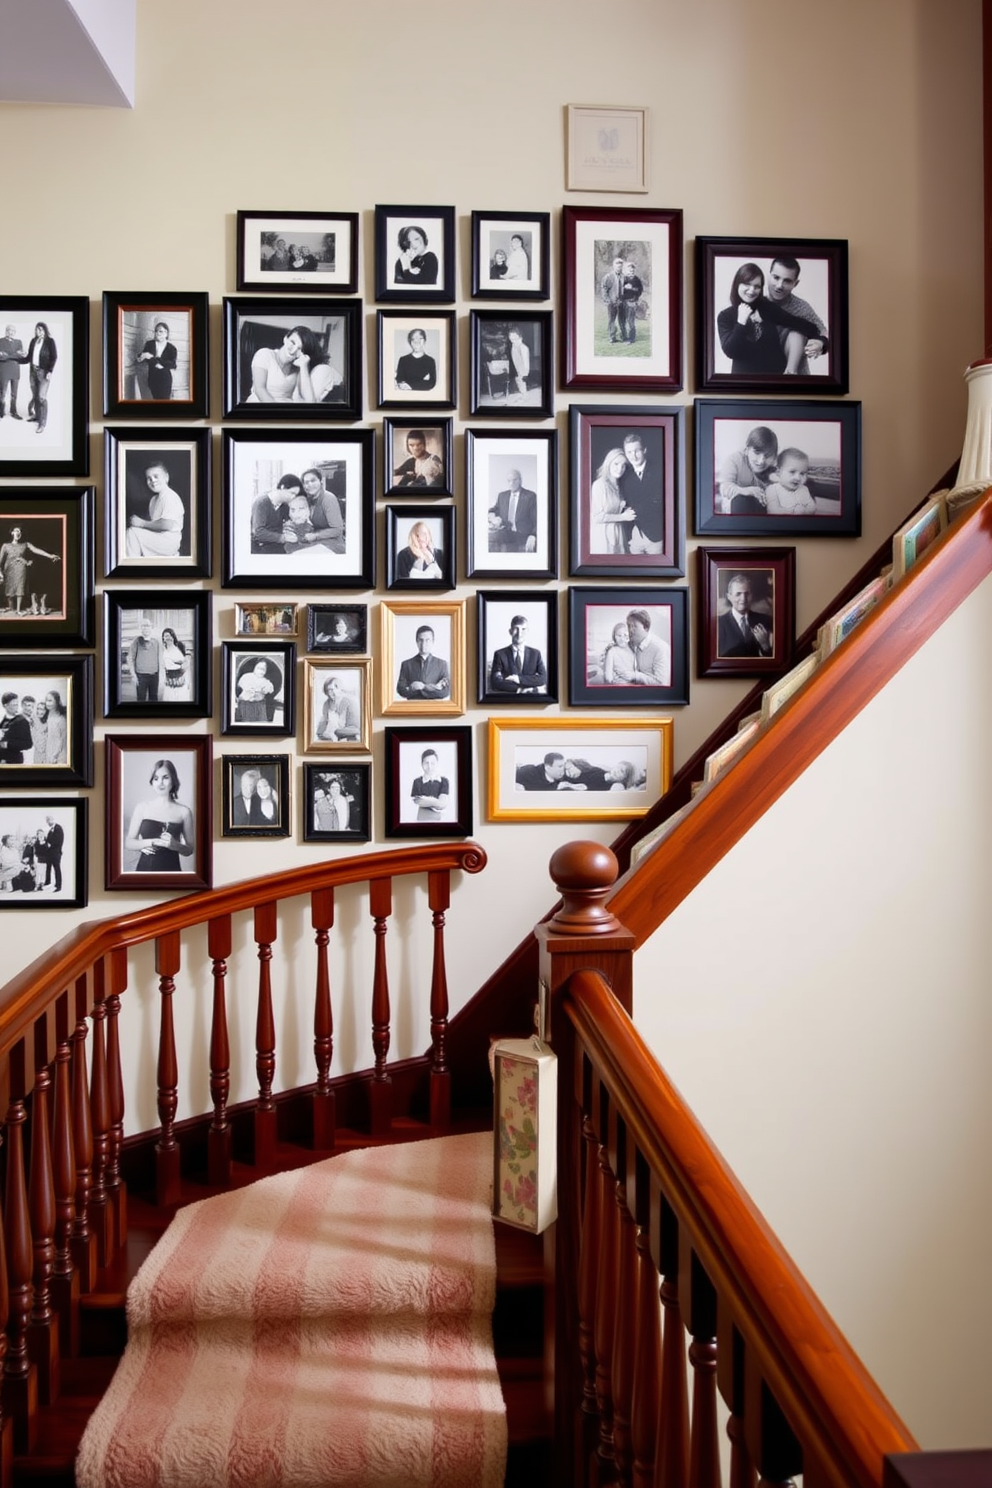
[
  {"x": 785, "y": 467},
  {"x": 623, "y": 281},
  {"x": 32, "y": 846},
  {"x": 37, "y": 352},
  {"x": 308, "y": 253},
  {"x": 255, "y": 790},
  {"x": 34, "y": 723},
  {"x": 337, "y": 803},
  {"x": 598, "y": 769},
  {"x": 157, "y": 655}
]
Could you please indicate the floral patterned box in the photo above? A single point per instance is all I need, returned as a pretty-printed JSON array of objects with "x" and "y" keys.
[{"x": 525, "y": 1073}]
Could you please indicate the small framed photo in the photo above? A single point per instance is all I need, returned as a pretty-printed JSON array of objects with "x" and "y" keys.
[
  {"x": 512, "y": 372},
  {"x": 293, "y": 359},
  {"x": 563, "y": 769},
  {"x": 158, "y": 811},
  {"x": 417, "y": 358},
  {"x": 266, "y": 619},
  {"x": 338, "y": 711},
  {"x": 417, "y": 458},
  {"x": 607, "y": 148},
  {"x": 777, "y": 468},
  {"x": 747, "y": 610},
  {"x": 337, "y": 802},
  {"x": 155, "y": 355},
  {"x": 510, "y": 253},
  {"x": 46, "y": 721},
  {"x": 915, "y": 536},
  {"x": 309, "y": 251},
  {"x": 623, "y": 299},
  {"x": 429, "y": 782},
  {"x": 299, "y": 509},
  {"x": 415, "y": 254},
  {"x": 420, "y": 547},
  {"x": 422, "y": 649},
  {"x": 518, "y": 646},
  {"x": 772, "y": 314},
  {"x": 512, "y": 479},
  {"x": 839, "y": 626},
  {"x": 43, "y": 853},
  {"x": 158, "y": 522},
  {"x": 47, "y": 539},
  {"x": 338, "y": 629},
  {"x": 158, "y": 645},
  {"x": 786, "y": 688},
  {"x": 628, "y": 648},
  {"x": 44, "y": 385},
  {"x": 627, "y": 501},
  {"x": 255, "y": 795},
  {"x": 257, "y": 684}
]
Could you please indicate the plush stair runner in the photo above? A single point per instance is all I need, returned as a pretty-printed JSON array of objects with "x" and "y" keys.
[{"x": 323, "y": 1328}]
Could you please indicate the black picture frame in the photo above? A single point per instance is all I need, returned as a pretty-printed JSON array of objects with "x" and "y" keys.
[
  {"x": 606, "y": 672},
  {"x": 58, "y": 521},
  {"x": 261, "y": 328},
  {"x": 510, "y": 255},
  {"x": 338, "y": 629},
  {"x": 50, "y": 835},
  {"x": 511, "y": 378},
  {"x": 417, "y": 458},
  {"x": 491, "y": 458},
  {"x": 135, "y": 625},
  {"x": 64, "y": 448},
  {"x": 168, "y": 377},
  {"x": 413, "y": 564},
  {"x": 403, "y": 754},
  {"x": 268, "y": 709},
  {"x": 328, "y": 262},
  {"x": 65, "y": 734},
  {"x": 429, "y": 274},
  {"x": 763, "y": 640},
  {"x": 131, "y": 456},
  {"x": 827, "y": 433},
  {"x": 500, "y": 681},
  {"x": 406, "y": 338},
  {"x": 246, "y": 815},
  {"x": 355, "y": 786},
  {"x": 760, "y": 350},
  {"x": 183, "y": 763}
]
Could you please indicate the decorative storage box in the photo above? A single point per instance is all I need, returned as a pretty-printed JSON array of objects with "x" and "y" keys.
[{"x": 525, "y": 1075}]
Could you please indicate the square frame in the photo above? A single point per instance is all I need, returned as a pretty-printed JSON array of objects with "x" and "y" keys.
[
  {"x": 326, "y": 728},
  {"x": 404, "y": 273},
  {"x": 245, "y": 816},
  {"x": 130, "y": 761},
  {"x": 326, "y": 636},
  {"x": 164, "y": 380},
  {"x": 602, "y": 549},
  {"x": 404, "y": 748},
  {"x": 329, "y": 268},
  {"x": 401, "y": 382},
  {"x": 355, "y": 780},
  {"x": 603, "y": 672},
  {"x": 181, "y": 687},
  {"x": 59, "y": 522},
  {"x": 184, "y": 454},
  {"x": 426, "y": 475},
  {"x": 443, "y": 689},
  {"x": 254, "y": 708},
  {"x": 257, "y": 361},
  {"x": 499, "y": 680},
  {"x": 69, "y": 736},
  {"x": 64, "y": 850},
  {"x": 606, "y": 147},
  {"x": 724, "y": 649},
  {"x": 66, "y": 448},
  {"x": 518, "y": 742},
  {"x": 523, "y": 273},
  {"x": 412, "y": 564},
  {"x": 502, "y": 371},
  {"x": 275, "y": 619},
  {"x": 494, "y": 549}
]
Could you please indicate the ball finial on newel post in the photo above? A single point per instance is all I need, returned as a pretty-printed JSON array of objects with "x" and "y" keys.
[{"x": 584, "y": 873}]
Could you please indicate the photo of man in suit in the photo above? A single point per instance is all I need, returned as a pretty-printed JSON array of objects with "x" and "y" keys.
[
  {"x": 518, "y": 668},
  {"x": 742, "y": 631},
  {"x": 640, "y": 488},
  {"x": 424, "y": 677},
  {"x": 54, "y": 844},
  {"x": 513, "y": 518}
]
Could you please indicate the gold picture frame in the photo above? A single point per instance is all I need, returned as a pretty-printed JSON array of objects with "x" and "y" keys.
[
  {"x": 595, "y": 789},
  {"x": 422, "y": 679},
  {"x": 337, "y": 721}
]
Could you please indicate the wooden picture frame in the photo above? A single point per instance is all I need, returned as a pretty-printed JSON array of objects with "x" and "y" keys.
[
  {"x": 60, "y": 379},
  {"x": 597, "y": 747},
  {"x": 158, "y": 518},
  {"x": 747, "y": 610},
  {"x": 337, "y": 712},
  {"x": 419, "y": 763},
  {"x": 337, "y": 801},
  {"x": 517, "y": 639},
  {"x": 338, "y": 629},
  {"x": 162, "y": 781},
  {"x": 255, "y": 795},
  {"x": 627, "y": 492},
  {"x": 417, "y": 458},
  {"x": 415, "y": 254},
  {"x": 418, "y": 359},
  {"x": 293, "y": 359},
  {"x": 420, "y": 547},
  {"x": 628, "y": 648},
  {"x": 157, "y": 653},
  {"x": 156, "y": 362},
  {"x": 511, "y": 372},
  {"x": 48, "y": 836},
  {"x": 417, "y": 674},
  {"x": 327, "y": 260},
  {"x": 46, "y": 721},
  {"x": 266, "y": 706},
  {"x": 507, "y": 541},
  {"x": 48, "y": 603},
  {"x": 510, "y": 255}
]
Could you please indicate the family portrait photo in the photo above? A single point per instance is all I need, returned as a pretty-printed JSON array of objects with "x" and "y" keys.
[
  {"x": 415, "y": 254},
  {"x": 511, "y": 372},
  {"x": 337, "y": 803},
  {"x": 512, "y": 513},
  {"x": 747, "y": 610},
  {"x": 338, "y": 713},
  {"x": 255, "y": 795},
  {"x": 628, "y": 647},
  {"x": 416, "y": 358},
  {"x": 42, "y": 854},
  {"x": 510, "y": 255},
  {"x": 299, "y": 359},
  {"x": 158, "y": 502},
  {"x": 158, "y": 654},
  {"x": 257, "y": 687},
  {"x": 44, "y": 379},
  {"x": 341, "y": 629},
  {"x": 38, "y": 708},
  {"x": 518, "y": 647},
  {"x": 422, "y": 647},
  {"x": 627, "y": 478},
  {"x": 155, "y": 355},
  {"x": 158, "y": 808},
  {"x": 558, "y": 769},
  {"x": 265, "y": 619},
  {"x": 428, "y": 782},
  {"x": 312, "y": 250},
  {"x": 417, "y": 458}
]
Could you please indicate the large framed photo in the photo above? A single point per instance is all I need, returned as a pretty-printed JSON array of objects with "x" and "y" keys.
[
  {"x": 512, "y": 372},
  {"x": 46, "y": 721},
  {"x": 510, "y": 254},
  {"x": 560, "y": 769},
  {"x": 158, "y": 521},
  {"x": 158, "y": 811},
  {"x": 420, "y": 547},
  {"x": 417, "y": 359},
  {"x": 627, "y": 501},
  {"x": 158, "y": 645},
  {"x": 47, "y": 538},
  {"x": 337, "y": 716},
  {"x": 312, "y": 251},
  {"x": 293, "y": 359},
  {"x": 299, "y": 509},
  {"x": 255, "y": 795},
  {"x": 155, "y": 357},
  {"x": 422, "y": 651},
  {"x": 415, "y": 254},
  {"x": 417, "y": 458},
  {"x": 258, "y": 687},
  {"x": 772, "y": 314},
  {"x": 43, "y": 853},
  {"x": 747, "y": 610},
  {"x": 518, "y": 646},
  {"x": 628, "y": 648},
  {"x": 428, "y": 782},
  {"x": 512, "y": 503},
  {"x": 337, "y": 802},
  {"x": 44, "y": 385},
  {"x": 623, "y": 299},
  {"x": 777, "y": 468},
  {"x": 338, "y": 629},
  {"x": 607, "y": 148}
]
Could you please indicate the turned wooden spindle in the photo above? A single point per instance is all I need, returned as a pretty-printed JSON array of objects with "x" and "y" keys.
[
  {"x": 380, "y": 907},
  {"x": 20, "y": 1382},
  {"x": 116, "y": 1188},
  {"x": 43, "y": 1330},
  {"x": 584, "y": 934},
  {"x": 219, "y": 1135},
  {"x": 167, "y": 1184},
  {"x": 65, "y": 1278},
  {"x": 101, "y": 1215},
  {"x": 672, "y": 1451},
  {"x": 604, "y": 1325},
  {"x": 83, "y": 1239},
  {"x": 704, "y": 1446},
  {"x": 625, "y": 1341},
  {"x": 589, "y": 1268},
  {"x": 439, "y": 899},
  {"x": 647, "y": 1367},
  {"x": 324, "y": 1105},
  {"x": 265, "y": 1039}
]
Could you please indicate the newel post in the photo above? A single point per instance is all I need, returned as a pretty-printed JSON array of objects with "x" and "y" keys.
[{"x": 584, "y": 934}]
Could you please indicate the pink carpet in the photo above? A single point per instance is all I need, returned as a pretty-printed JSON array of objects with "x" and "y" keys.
[{"x": 327, "y": 1328}]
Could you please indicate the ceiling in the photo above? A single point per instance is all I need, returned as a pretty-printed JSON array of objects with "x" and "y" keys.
[{"x": 67, "y": 51}]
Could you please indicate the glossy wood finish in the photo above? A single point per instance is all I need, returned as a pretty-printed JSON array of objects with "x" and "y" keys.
[
  {"x": 219, "y": 1137},
  {"x": 266, "y": 926},
  {"x": 167, "y": 962},
  {"x": 324, "y": 1112}
]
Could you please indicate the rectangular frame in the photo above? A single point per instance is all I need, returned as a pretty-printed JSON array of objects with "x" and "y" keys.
[
  {"x": 329, "y": 728},
  {"x": 414, "y": 472},
  {"x": 840, "y": 626},
  {"x": 338, "y": 629},
  {"x": 406, "y": 549},
  {"x": 526, "y": 365},
  {"x": 129, "y": 456},
  {"x": 605, "y": 672},
  {"x": 915, "y": 536},
  {"x": 64, "y": 850},
  {"x": 493, "y": 549},
  {"x": 606, "y": 147},
  {"x": 69, "y": 735},
  {"x": 355, "y": 781},
  {"x": 725, "y": 649},
  {"x": 275, "y": 619},
  {"x": 523, "y": 272},
  {"x": 403, "y": 755},
  {"x": 326, "y": 267},
  {"x": 252, "y": 708},
  {"x": 65, "y": 447},
  {"x": 181, "y": 687},
  {"x": 443, "y": 689},
  {"x": 244, "y": 816},
  {"x": 168, "y": 379},
  {"x": 407, "y": 271},
  {"x": 780, "y": 692},
  {"x": 602, "y": 549},
  {"x": 258, "y": 359},
  {"x": 500, "y": 681},
  {"x": 131, "y": 761},
  {"x": 56, "y": 524},
  {"x": 647, "y": 739},
  {"x": 401, "y": 382}
]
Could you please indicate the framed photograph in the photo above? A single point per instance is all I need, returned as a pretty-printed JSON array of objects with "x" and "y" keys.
[
  {"x": 512, "y": 372},
  {"x": 338, "y": 630},
  {"x": 518, "y": 646},
  {"x": 417, "y": 357},
  {"x": 293, "y": 359},
  {"x": 158, "y": 518},
  {"x": 839, "y": 626},
  {"x": 157, "y": 649},
  {"x": 510, "y": 253},
  {"x": 155, "y": 356},
  {"x": 337, "y": 716},
  {"x": 772, "y": 314},
  {"x": 563, "y": 769},
  {"x": 915, "y": 536},
  {"x": 747, "y": 610},
  {"x": 266, "y": 619},
  {"x": 422, "y": 651},
  {"x": 312, "y": 251},
  {"x": 255, "y": 795},
  {"x": 47, "y": 540},
  {"x": 43, "y": 853},
  {"x": 628, "y": 648},
  {"x": 606, "y": 148},
  {"x": 158, "y": 811},
  {"x": 258, "y": 687},
  {"x": 420, "y": 547},
  {"x": 623, "y": 299},
  {"x": 428, "y": 782},
  {"x": 299, "y": 509},
  {"x": 44, "y": 385},
  {"x": 627, "y": 501},
  {"x": 512, "y": 479},
  {"x": 415, "y": 254},
  {"x": 337, "y": 803},
  {"x": 46, "y": 721},
  {"x": 417, "y": 458},
  {"x": 773, "y": 468}
]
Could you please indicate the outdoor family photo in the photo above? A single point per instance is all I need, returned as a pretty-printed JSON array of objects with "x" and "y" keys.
[
  {"x": 156, "y": 650},
  {"x": 622, "y": 289}
]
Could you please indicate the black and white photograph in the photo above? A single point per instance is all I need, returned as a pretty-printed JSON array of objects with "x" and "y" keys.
[
  {"x": 338, "y": 630},
  {"x": 417, "y": 355},
  {"x": 518, "y": 647},
  {"x": 293, "y": 359},
  {"x": 627, "y": 495},
  {"x": 157, "y": 653},
  {"x": 567, "y": 769},
  {"x": 255, "y": 794},
  {"x": 257, "y": 685},
  {"x": 43, "y": 853},
  {"x": 46, "y": 720},
  {"x": 512, "y": 480},
  {"x": 510, "y": 252},
  {"x": 512, "y": 372},
  {"x": 312, "y": 251},
  {"x": 415, "y": 254},
  {"x": 158, "y": 812},
  {"x": 337, "y": 803},
  {"x": 44, "y": 385},
  {"x": 32, "y": 568},
  {"x": 158, "y": 516},
  {"x": 628, "y": 648},
  {"x": 422, "y": 656},
  {"x": 46, "y": 566},
  {"x": 337, "y": 716},
  {"x": 266, "y": 619},
  {"x": 155, "y": 361},
  {"x": 420, "y": 547},
  {"x": 417, "y": 458},
  {"x": 747, "y": 610},
  {"x": 428, "y": 782}
]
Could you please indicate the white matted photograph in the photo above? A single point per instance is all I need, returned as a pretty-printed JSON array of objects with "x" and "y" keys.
[
  {"x": 428, "y": 782},
  {"x": 415, "y": 253},
  {"x": 422, "y": 656},
  {"x": 338, "y": 706},
  {"x": 558, "y": 769},
  {"x": 510, "y": 255},
  {"x": 512, "y": 510},
  {"x": 43, "y": 386},
  {"x": 309, "y": 250}
]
